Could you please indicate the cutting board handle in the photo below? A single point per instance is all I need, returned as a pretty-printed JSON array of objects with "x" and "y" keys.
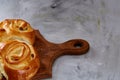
[{"x": 74, "y": 47}]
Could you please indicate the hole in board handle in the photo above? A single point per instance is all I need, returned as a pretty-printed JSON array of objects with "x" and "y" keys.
[{"x": 78, "y": 45}]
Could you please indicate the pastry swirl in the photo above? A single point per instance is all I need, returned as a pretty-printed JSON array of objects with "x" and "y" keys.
[{"x": 20, "y": 59}]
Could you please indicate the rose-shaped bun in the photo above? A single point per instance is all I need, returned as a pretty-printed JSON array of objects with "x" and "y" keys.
[
  {"x": 11, "y": 29},
  {"x": 18, "y": 60}
]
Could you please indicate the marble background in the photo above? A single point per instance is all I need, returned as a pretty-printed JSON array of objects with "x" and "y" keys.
[{"x": 97, "y": 21}]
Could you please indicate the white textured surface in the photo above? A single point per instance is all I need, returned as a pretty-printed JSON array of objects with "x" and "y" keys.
[{"x": 97, "y": 21}]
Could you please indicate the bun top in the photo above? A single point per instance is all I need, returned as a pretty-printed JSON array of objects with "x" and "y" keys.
[{"x": 11, "y": 29}]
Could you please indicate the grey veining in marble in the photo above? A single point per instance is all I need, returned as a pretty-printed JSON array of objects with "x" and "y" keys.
[{"x": 97, "y": 21}]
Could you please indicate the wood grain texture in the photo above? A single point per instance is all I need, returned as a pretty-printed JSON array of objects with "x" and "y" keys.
[{"x": 49, "y": 52}]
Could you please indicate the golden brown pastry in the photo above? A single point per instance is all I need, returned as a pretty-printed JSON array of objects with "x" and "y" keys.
[{"x": 18, "y": 58}]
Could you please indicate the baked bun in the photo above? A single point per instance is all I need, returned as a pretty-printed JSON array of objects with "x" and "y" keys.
[{"x": 18, "y": 58}]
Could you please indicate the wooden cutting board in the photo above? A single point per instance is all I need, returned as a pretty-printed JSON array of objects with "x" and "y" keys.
[{"x": 49, "y": 51}]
